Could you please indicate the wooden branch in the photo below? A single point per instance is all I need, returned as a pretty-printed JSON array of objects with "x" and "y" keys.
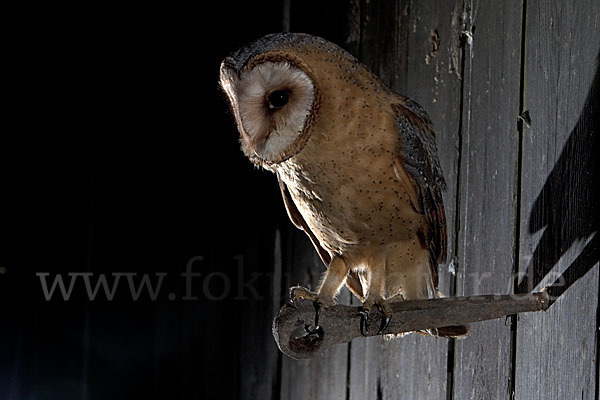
[{"x": 297, "y": 337}]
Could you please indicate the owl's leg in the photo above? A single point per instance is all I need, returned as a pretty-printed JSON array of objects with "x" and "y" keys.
[
  {"x": 402, "y": 274},
  {"x": 375, "y": 297},
  {"x": 332, "y": 281}
]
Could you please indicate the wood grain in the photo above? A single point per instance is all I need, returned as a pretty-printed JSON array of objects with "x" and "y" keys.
[
  {"x": 556, "y": 355},
  {"x": 260, "y": 358},
  {"x": 489, "y": 148}
]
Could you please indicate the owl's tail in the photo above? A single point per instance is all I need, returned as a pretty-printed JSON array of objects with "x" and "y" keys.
[
  {"x": 427, "y": 289},
  {"x": 450, "y": 332}
]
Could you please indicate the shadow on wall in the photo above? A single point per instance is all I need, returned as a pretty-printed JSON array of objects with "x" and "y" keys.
[{"x": 568, "y": 204}]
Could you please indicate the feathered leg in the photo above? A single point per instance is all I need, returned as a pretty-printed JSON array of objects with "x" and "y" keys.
[
  {"x": 332, "y": 281},
  {"x": 376, "y": 295}
]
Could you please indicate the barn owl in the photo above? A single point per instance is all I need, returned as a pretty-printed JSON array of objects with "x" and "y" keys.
[{"x": 357, "y": 167}]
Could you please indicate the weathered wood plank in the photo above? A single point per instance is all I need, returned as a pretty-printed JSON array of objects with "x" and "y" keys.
[
  {"x": 556, "y": 352},
  {"x": 489, "y": 149},
  {"x": 412, "y": 46},
  {"x": 416, "y": 366},
  {"x": 322, "y": 377},
  {"x": 433, "y": 80},
  {"x": 262, "y": 297}
]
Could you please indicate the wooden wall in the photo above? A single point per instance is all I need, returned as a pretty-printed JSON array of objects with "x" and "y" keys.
[{"x": 512, "y": 89}]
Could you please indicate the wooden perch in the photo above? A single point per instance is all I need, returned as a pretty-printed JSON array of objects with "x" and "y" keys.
[{"x": 297, "y": 337}]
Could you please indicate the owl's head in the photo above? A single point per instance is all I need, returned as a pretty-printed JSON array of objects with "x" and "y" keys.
[
  {"x": 273, "y": 96},
  {"x": 272, "y": 102}
]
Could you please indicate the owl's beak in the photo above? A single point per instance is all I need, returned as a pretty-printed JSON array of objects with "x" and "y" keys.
[{"x": 258, "y": 142}]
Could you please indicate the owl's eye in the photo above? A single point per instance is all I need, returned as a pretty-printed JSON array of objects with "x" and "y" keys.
[{"x": 278, "y": 98}]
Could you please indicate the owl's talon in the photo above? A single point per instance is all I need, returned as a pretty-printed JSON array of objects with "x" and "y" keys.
[
  {"x": 292, "y": 303},
  {"x": 386, "y": 317},
  {"x": 364, "y": 322},
  {"x": 312, "y": 329},
  {"x": 317, "y": 304},
  {"x": 385, "y": 322},
  {"x": 300, "y": 293}
]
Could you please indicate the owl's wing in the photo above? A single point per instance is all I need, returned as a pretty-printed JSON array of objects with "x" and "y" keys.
[
  {"x": 353, "y": 280},
  {"x": 300, "y": 223},
  {"x": 418, "y": 157}
]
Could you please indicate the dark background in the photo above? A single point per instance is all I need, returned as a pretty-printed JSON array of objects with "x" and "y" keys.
[{"x": 119, "y": 154}]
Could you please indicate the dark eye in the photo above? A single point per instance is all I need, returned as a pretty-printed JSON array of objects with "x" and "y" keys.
[{"x": 278, "y": 98}]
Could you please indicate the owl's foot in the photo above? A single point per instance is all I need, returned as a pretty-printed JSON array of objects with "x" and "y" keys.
[
  {"x": 386, "y": 316},
  {"x": 300, "y": 293}
]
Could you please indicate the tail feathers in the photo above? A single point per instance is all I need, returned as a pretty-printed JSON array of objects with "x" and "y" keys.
[{"x": 450, "y": 332}]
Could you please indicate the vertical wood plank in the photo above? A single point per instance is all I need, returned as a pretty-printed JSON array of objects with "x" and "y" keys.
[
  {"x": 325, "y": 377},
  {"x": 417, "y": 366},
  {"x": 413, "y": 47},
  {"x": 433, "y": 80},
  {"x": 319, "y": 378},
  {"x": 259, "y": 360},
  {"x": 489, "y": 149},
  {"x": 556, "y": 351}
]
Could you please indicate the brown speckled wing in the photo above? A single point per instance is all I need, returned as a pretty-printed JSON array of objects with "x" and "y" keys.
[
  {"x": 418, "y": 156},
  {"x": 298, "y": 220},
  {"x": 353, "y": 281}
]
